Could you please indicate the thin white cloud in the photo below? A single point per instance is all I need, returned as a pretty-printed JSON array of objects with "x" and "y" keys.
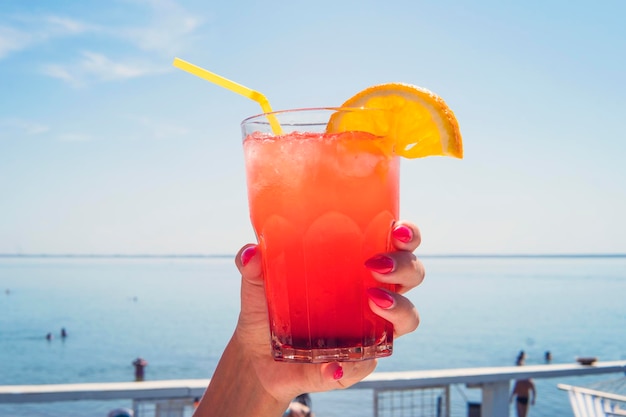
[
  {"x": 66, "y": 26},
  {"x": 23, "y": 32},
  {"x": 57, "y": 71},
  {"x": 35, "y": 129},
  {"x": 12, "y": 128},
  {"x": 13, "y": 40},
  {"x": 94, "y": 67},
  {"x": 17, "y": 129},
  {"x": 106, "y": 69},
  {"x": 170, "y": 29}
]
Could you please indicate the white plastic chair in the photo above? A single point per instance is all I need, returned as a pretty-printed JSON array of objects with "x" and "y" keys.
[{"x": 586, "y": 402}]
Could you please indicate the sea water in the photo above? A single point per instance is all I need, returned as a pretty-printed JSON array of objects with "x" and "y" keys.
[{"x": 178, "y": 314}]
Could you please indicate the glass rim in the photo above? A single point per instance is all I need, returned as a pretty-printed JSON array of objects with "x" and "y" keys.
[{"x": 250, "y": 119}]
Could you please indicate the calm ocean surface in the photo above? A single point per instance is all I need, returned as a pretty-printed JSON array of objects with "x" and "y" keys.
[{"x": 178, "y": 314}]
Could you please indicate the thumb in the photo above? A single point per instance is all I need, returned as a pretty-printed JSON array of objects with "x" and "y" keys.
[
  {"x": 248, "y": 261},
  {"x": 253, "y": 302}
]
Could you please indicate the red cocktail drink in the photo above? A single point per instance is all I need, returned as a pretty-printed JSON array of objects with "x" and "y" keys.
[{"x": 320, "y": 204}]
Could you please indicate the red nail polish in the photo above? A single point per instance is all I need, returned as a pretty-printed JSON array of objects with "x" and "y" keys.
[
  {"x": 338, "y": 374},
  {"x": 247, "y": 254},
  {"x": 402, "y": 233},
  {"x": 381, "y": 298},
  {"x": 380, "y": 263}
]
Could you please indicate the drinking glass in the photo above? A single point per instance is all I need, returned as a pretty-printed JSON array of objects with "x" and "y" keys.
[{"x": 321, "y": 204}]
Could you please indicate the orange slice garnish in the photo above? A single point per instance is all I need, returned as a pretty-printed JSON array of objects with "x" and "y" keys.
[{"x": 414, "y": 122}]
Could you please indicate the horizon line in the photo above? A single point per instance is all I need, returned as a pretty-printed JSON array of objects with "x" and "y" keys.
[{"x": 226, "y": 255}]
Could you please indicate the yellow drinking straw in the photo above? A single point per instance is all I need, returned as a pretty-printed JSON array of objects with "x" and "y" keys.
[{"x": 232, "y": 86}]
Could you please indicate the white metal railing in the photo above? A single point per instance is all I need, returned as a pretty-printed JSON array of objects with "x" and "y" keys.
[
  {"x": 494, "y": 383},
  {"x": 587, "y": 402}
]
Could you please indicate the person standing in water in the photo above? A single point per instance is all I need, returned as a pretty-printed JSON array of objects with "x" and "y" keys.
[
  {"x": 524, "y": 393},
  {"x": 139, "y": 364}
]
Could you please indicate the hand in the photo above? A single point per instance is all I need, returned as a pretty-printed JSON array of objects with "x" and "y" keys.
[{"x": 247, "y": 368}]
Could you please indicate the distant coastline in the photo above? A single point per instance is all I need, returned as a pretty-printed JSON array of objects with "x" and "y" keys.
[
  {"x": 111, "y": 256},
  {"x": 211, "y": 256}
]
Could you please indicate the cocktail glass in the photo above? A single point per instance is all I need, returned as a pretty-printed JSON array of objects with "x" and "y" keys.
[{"x": 321, "y": 204}]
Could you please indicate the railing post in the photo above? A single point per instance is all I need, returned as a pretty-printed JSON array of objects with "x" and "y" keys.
[
  {"x": 495, "y": 402},
  {"x": 375, "y": 392}
]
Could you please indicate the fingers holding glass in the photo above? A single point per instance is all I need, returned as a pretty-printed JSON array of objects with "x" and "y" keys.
[
  {"x": 401, "y": 268},
  {"x": 406, "y": 236},
  {"x": 394, "y": 308}
]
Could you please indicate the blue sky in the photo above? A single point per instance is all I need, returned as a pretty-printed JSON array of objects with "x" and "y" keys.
[{"x": 106, "y": 148}]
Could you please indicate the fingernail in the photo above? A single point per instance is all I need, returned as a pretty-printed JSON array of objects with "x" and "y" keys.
[
  {"x": 402, "y": 233},
  {"x": 381, "y": 298},
  {"x": 338, "y": 374},
  {"x": 247, "y": 254},
  {"x": 380, "y": 263}
]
